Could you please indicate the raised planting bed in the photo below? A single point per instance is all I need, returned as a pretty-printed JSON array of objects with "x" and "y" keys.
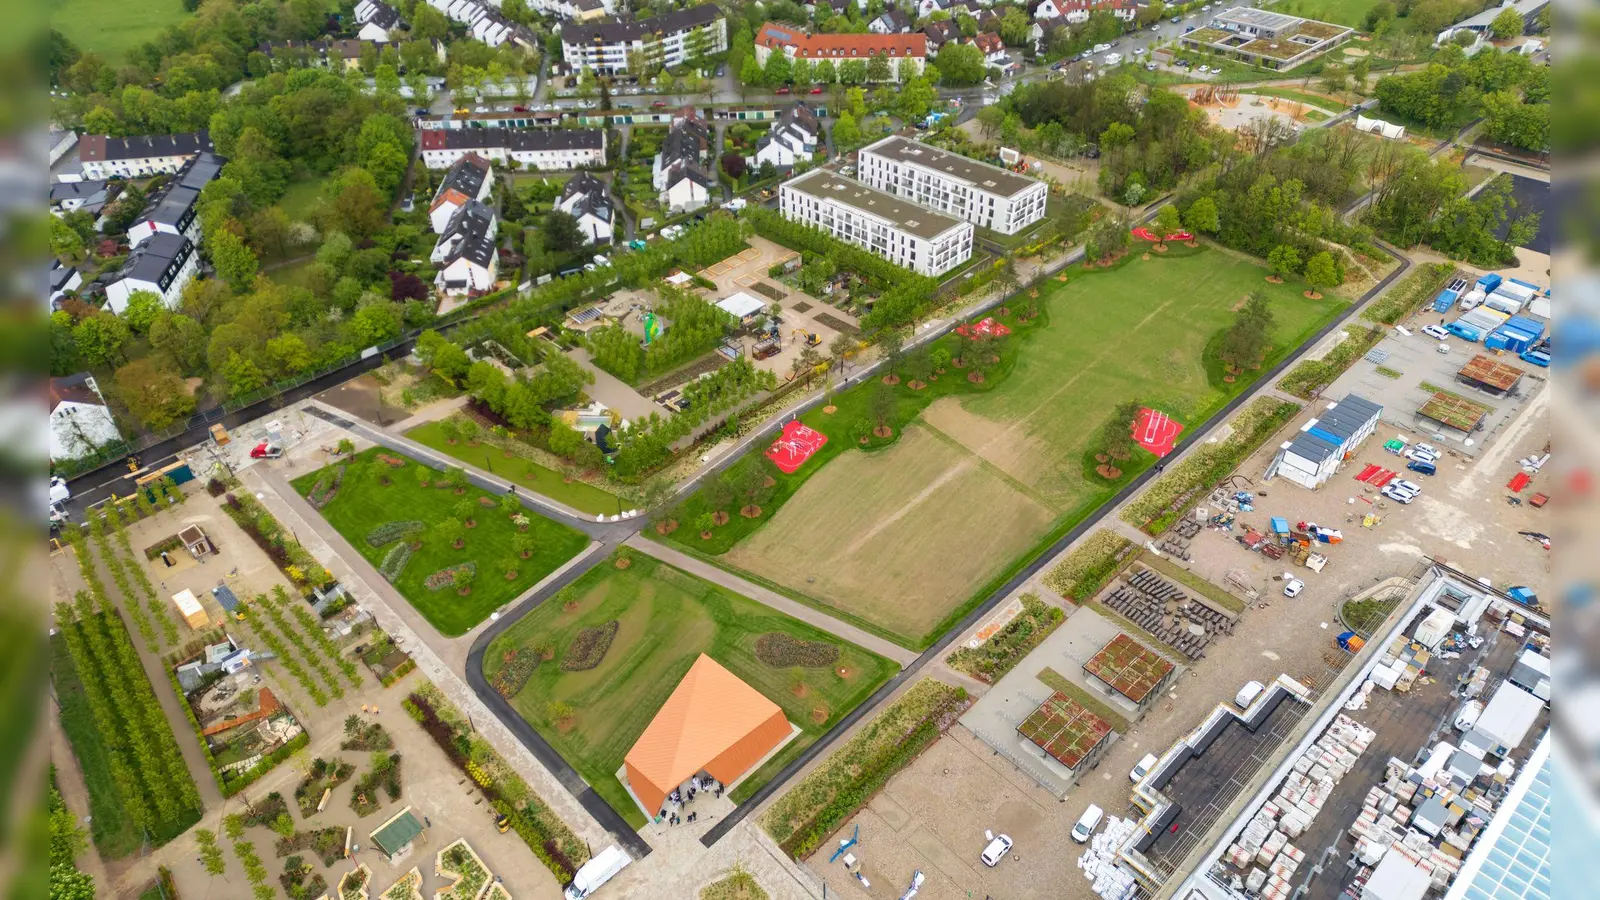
[
  {"x": 325, "y": 775},
  {"x": 1130, "y": 668},
  {"x": 353, "y": 884},
  {"x": 458, "y": 861},
  {"x": 1001, "y": 651},
  {"x": 409, "y": 887}
]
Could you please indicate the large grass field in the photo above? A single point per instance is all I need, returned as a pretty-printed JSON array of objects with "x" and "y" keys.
[
  {"x": 364, "y": 503},
  {"x": 903, "y": 538},
  {"x": 576, "y": 494},
  {"x": 112, "y": 27},
  {"x": 1340, "y": 12},
  {"x": 667, "y": 618}
]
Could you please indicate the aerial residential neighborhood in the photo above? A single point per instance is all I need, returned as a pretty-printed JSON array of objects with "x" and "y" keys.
[{"x": 869, "y": 449}]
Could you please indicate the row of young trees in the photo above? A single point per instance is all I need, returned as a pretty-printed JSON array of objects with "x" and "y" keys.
[
  {"x": 151, "y": 777},
  {"x": 695, "y": 327},
  {"x": 256, "y": 616}
]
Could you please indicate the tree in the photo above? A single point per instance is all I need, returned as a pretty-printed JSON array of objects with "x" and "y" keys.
[
  {"x": 1115, "y": 440},
  {"x": 143, "y": 308},
  {"x": 733, "y": 163},
  {"x": 1245, "y": 342},
  {"x": 100, "y": 338},
  {"x": 466, "y": 510},
  {"x": 65, "y": 242},
  {"x": 1284, "y": 260},
  {"x": 236, "y": 263},
  {"x": 561, "y": 232},
  {"x": 890, "y": 344},
  {"x": 1014, "y": 28},
  {"x": 917, "y": 97},
  {"x": 776, "y": 71},
  {"x": 846, "y": 133},
  {"x": 878, "y": 69},
  {"x": 450, "y": 533},
  {"x": 704, "y": 522},
  {"x": 241, "y": 374},
  {"x": 841, "y": 347},
  {"x": 1508, "y": 24},
  {"x": 1322, "y": 271},
  {"x": 153, "y": 393},
  {"x": 750, "y": 72},
  {"x": 963, "y": 64},
  {"x": 881, "y": 406},
  {"x": 356, "y": 206},
  {"x": 289, "y": 354},
  {"x": 1168, "y": 221},
  {"x": 181, "y": 338},
  {"x": 1201, "y": 216}
]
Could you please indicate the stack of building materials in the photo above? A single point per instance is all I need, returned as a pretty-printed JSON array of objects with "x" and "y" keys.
[{"x": 1099, "y": 862}]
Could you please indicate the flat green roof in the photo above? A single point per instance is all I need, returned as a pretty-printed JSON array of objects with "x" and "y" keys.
[{"x": 399, "y": 831}]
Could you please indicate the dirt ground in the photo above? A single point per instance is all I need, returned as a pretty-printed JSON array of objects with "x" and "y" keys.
[
  {"x": 859, "y": 515},
  {"x": 932, "y": 815}
]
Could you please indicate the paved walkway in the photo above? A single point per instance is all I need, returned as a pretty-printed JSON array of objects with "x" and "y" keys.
[
  {"x": 74, "y": 793},
  {"x": 433, "y": 412},
  {"x": 612, "y": 391},
  {"x": 773, "y": 600}
]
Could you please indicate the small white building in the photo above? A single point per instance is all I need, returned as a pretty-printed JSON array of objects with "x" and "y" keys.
[
  {"x": 163, "y": 264},
  {"x": 791, "y": 139},
  {"x": 470, "y": 178},
  {"x": 80, "y": 421},
  {"x": 1505, "y": 722},
  {"x": 743, "y": 307},
  {"x": 587, "y": 200},
  {"x": 377, "y": 20},
  {"x": 678, "y": 171},
  {"x": 465, "y": 253},
  {"x": 138, "y": 157},
  {"x": 1313, "y": 456}
]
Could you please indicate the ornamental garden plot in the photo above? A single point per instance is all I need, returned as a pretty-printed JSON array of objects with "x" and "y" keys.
[
  {"x": 455, "y": 552},
  {"x": 590, "y": 667}
]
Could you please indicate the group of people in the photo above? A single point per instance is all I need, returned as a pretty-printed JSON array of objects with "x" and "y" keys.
[{"x": 684, "y": 795}]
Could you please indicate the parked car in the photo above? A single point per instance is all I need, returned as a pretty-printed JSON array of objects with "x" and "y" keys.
[
  {"x": 1175, "y": 19},
  {"x": 624, "y": 106},
  {"x": 1417, "y": 454},
  {"x": 817, "y": 89},
  {"x": 1294, "y": 587},
  {"x": 782, "y": 90},
  {"x": 1150, "y": 66},
  {"x": 659, "y": 104},
  {"x": 1429, "y": 449},
  {"x": 1422, "y": 467},
  {"x": 722, "y": 70},
  {"x": 1087, "y": 823},
  {"x": 1397, "y": 495},
  {"x": 996, "y": 851},
  {"x": 1436, "y": 331},
  {"x": 1142, "y": 768},
  {"x": 1408, "y": 486},
  {"x": 519, "y": 109},
  {"x": 1248, "y": 694},
  {"x": 1138, "y": 51}
]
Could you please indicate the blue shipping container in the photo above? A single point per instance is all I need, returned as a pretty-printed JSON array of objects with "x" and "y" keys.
[
  {"x": 1496, "y": 341},
  {"x": 1489, "y": 282},
  {"x": 1445, "y": 300},
  {"x": 1524, "y": 325},
  {"x": 1465, "y": 332}
]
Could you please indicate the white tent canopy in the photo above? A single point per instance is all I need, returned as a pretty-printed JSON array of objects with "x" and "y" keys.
[{"x": 740, "y": 305}]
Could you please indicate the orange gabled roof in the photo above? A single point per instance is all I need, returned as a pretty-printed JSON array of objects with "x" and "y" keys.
[
  {"x": 710, "y": 712},
  {"x": 450, "y": 195}
]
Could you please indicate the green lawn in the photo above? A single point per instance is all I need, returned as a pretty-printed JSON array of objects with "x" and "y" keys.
[
  {"x": 1317, "y": 100},
  {"x": 363, "y": 503},
  {"x": 667, "y": 618},
  {"x": 303, "y": 195},
  {"x": 1340, "y": 12},
  {"x": 111, "y": 28},
  {"x": 113, "y": 832},
  {"x": 578, "y": 495},
  {"x": 1144, "y": 330}
]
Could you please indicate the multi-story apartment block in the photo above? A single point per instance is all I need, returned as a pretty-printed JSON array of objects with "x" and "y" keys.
[
  {"x": 138, "y": 157},
  {"x": 670, "y": 40},
  {"x": 795, "y": 43},
  {"x": 545, "y": 149},
  {"x": 982, "y": 194},
  {"x": 918, "y": 238}
]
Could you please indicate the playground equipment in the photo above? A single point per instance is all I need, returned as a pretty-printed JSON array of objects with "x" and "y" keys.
[
  {"x": 810, "y": 338},
  {"x": 652, "y": 327},
  {"x": 916, "y": 885},
  {"x": 855, "y": 838}
]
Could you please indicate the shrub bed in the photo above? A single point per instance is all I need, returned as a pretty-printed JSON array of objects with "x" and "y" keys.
[
  {"x": 385, "y": 774},
  {"x": 589, "y": 647},
  {"x": 165, "y": 545},
  {"x": 781, "y": 651},
  {"x": 1088, "y": 568},
  {"x": 394, "y": 562},
  {"x": 324, "y": 775},
  {"x": 326, "y": 488},
  {"x": 1410, "y": 294},
  {"x": 394, "y": 531},
  {"x": 326, "y": 843},
  {"x": 996, "y": 656},
  {"x": 364, "y": 737},
  {"x": 274, "y": 540},
  {"x": 514, "y": 675},
  {"x": 1311, "y": 377},
  {"x": 447, "y": 576},
  {"x": 835, "y": 790}
]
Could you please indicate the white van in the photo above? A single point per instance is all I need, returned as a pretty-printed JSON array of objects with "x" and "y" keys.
[
  {"x": 1248, "y": 694},
  {"x": 596, "y": 872},
  {"x": 1467, "y": 716},
  {"x": 1142, "y": 768},
  {"x": 1113, "y": 59},
  {"x": 1087, "y": 823}
]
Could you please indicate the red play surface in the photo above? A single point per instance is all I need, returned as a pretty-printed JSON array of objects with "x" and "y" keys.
[
  {"x": 1145, "y": 234},
  {"x": 794, "y": 446},
  {"x": 988, "y": 327},
  {"x": 1155, "y": 431}
]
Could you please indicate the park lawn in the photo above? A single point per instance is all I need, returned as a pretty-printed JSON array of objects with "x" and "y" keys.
[
  {"x": 579, "y": 495},
  {"x": 363, "y": 503},
  {"x": 1321, "y": 101},
  {"x": 667, "y": 618},
  {"x": 1005, "y": 466},
  {"x": 1339, "y": 12},
  {"x": 112, "y": 28},
  {"x": 112, "y": 830},
  {"x": 302, "y": 197}
]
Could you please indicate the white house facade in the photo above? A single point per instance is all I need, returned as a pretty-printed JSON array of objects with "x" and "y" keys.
[
  {"x": 976, "y": 192},
  {"x": 898, "y": 49},
  {"x": 80, "y": 421},
  {"x": 174, "y": 207},
  {"x": 163, "y": 265},
  {"x": 465, "y": 252},
  {"x": 587, "y": 200},
  {"x": 138, "y": 157},
  {"x": 544, "y": 149},
  {"x": 791, "y": 139},
  {"x": 915, "y": 237},
  {"x": 1076, "y": 12},
  {"x": 470, "y": 178}
]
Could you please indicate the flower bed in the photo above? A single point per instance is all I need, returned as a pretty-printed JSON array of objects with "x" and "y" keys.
[
  {"x": 394, "y": 562},
  {"x": 589, "y": 647},
  {"x": 326, "y": 843},
  {"x": 447, "y": 576},
  {"x": 409, "y": 887},
  {"x": 165, "y": 545},
  {"x": 550, "y": 839},
  {"x": 393, "y": 462},
  {"x": 841, "y": 785},
  {"x": 1003, "y": 650},
  {"x": 514, "y": 675},
  {"x": 1090, "y": 566},
  {"x": 394, "y": 531},
  {"x": 458, "y": 861},
  {"x": 385, "y": 774},
  {"x": 324, "y": 776},
  {"x": 363, "y": 737},
  {"x": 274, "y": 540},
  {"x": 781, "y": 651},
  {"x": 353, "y": 885},
  {"x": 326, "y": 488}
]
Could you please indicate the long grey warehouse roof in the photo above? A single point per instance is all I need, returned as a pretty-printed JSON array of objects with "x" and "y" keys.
[
  {"x": 626, "y": 32},
  {"x": 993, "y": 179},
  {"x": 98, "y": 147},
  {"x": 918, "y": 220}
]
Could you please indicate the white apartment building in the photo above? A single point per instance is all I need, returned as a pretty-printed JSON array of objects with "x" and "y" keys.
[
  {"x": 542, "y": 149},
  {"x": 920, "y": 239},
  {"x": 138, "y": 157},
  {"x": 162, "y": 265},
  {"x": 669, "y": 40},
  {"x": 984, "y": 195},
  {"x": 174, "y": 207}
]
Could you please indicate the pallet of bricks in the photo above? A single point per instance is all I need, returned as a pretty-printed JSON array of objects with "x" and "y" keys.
[
  {"x": 1099, "y": 861},
  {"x": 1177, "y": 539},
  {"x": 1263, "y": 846},
  {"x": 1163, "y": 609},
  {"x": 1380, "y": 828}
]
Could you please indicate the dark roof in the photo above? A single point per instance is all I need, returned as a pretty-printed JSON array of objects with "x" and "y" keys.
[
  {"x": 1366, "y": 407},
  {"x": 344, "y": 48},
  {"x": 1309, "y": 446},
  {"x": 382, "y": 14},
  {"x": 73, "y": 389},
  {"x": 466, "y": 176},
  {"x": 692, "y": 171},
  {"x": 149, "y": 260},
  {"x": 59, "y": 275},
  {"x": 643, "y": 29},
  {"x": 798, "y": 114},
  {"x": 513, "y": 138},
  {"x": 897, "y": 19},
  {"x": 593, "y": 198},
  {"x": 942, "y": 32},
  {"x": 586, "y": 5},
  {"x": 174, "y": 202},
  {"x": 77, "y": 190},
  {"x": 99, "y": 148},
  {"x": 686, "y": 141},
  {"x": 467, "y": 235}
]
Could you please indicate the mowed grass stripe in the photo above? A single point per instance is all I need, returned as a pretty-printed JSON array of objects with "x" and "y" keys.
[
  {"x": 667, "y": 618},
  {"x": 525, "y": 473}
]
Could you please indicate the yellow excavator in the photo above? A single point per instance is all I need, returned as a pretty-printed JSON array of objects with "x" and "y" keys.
[{"x": 811, "y": 339}]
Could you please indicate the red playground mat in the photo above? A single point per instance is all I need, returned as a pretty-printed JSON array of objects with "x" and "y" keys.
[
  {"x": 1156, "y": 431},
  {"x": 1145, "y": 234},
  {"x": 987, "y": 327},
  {"x": 794, "y": 446}
]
